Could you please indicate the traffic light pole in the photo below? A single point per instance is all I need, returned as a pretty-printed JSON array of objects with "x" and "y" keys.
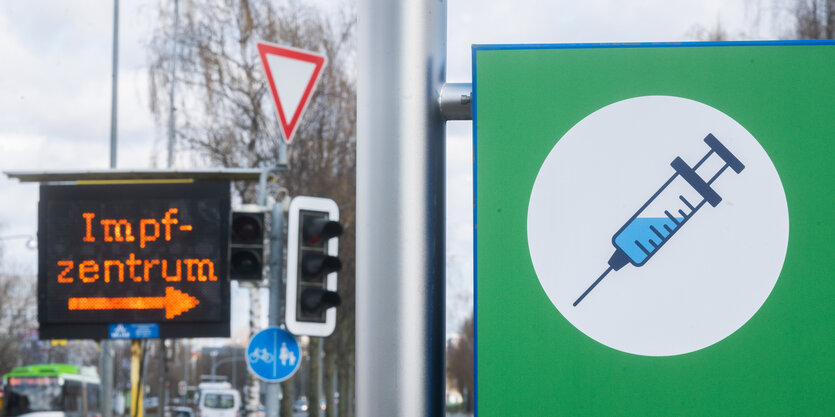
[
  {"x": 276, "y": 273},
  {"x": 400, "y": 301},
  {"x": 253, "y": 384}
]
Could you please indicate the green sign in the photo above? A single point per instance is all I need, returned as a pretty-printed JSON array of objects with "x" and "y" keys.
[{"x": 652, "y": 233}]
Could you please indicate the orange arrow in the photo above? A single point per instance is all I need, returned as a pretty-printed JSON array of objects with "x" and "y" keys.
[{"x": 175, "y": 303}]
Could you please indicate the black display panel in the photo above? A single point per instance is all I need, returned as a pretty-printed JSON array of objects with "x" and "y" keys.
[{"x": 133, "y": 253}]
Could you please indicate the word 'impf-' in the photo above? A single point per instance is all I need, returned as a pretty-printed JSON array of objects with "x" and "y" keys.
[{"x": 121, "y": 230}]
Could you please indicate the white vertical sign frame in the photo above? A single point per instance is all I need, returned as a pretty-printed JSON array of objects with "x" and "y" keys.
[{"x": 293, "y": 325}]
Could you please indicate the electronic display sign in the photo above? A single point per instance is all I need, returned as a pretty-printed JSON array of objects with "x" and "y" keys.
[{"x": 133, "y": 253}]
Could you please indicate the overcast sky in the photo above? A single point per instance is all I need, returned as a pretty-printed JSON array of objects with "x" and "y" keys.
[{"x": 55, "y": 86}]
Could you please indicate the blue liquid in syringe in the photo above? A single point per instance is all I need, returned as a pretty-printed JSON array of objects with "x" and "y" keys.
[
  {"x": 644, "y": 235},
  {"x": 684, "y": 193}
]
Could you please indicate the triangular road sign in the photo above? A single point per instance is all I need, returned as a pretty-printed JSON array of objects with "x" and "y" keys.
[{"x": 293, "y": 74}]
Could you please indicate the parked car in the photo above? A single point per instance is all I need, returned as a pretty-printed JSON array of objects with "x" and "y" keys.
[{"x": 179, "y": 412}]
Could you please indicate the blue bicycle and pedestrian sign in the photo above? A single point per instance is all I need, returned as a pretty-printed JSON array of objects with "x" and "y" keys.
[{"x": 273, "y": 354}]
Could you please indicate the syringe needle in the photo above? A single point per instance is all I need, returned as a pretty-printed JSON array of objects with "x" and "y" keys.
[{"x": 594, "y": 284}]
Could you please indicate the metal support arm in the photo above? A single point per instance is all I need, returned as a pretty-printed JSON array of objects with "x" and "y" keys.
[{"x": 456, "y": 101}]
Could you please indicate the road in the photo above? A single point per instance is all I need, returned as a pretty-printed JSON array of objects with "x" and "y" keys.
[{"x": 304, "y": 414}]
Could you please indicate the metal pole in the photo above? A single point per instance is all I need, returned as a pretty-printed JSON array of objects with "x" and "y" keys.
[
  {"x": 400, "y": 209},
  {"x": 253, "y": 389},
  {"x": 115, "y": 86},
  {"x": 163, "y": 369},
  {"x": 320, "y": 375},
  {"x": 187, "y": 350},
  {"x": 171, "y": 86},
  {"x": 106, "y": 368},
  {"x": 235, "y": 366},
  {"x": 276, "y": 273},
  {"x": 106, "y": 345}
]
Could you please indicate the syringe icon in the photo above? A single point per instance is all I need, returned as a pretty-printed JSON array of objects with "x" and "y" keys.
[{"x": 668, "y": 210}]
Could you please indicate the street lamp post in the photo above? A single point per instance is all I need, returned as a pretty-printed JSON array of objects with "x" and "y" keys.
[
  {"x": 213, "y": 354},
  {"x": 224, "y": 361},
  {"x": 31, "y": 241}
]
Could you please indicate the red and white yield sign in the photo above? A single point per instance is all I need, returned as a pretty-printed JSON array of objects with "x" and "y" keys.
[{"x": 293, "y": 74}]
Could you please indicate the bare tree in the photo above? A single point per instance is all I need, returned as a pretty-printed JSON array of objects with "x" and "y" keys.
[
  {"x": 814, "y": 19},
  {"x": 712, "y": 34},
  {"x": 460, "y": 363},
  {"x": 225, "y": 116},
  {"x": 18, "y": 318},
  {"x": 795, "y": 19}
]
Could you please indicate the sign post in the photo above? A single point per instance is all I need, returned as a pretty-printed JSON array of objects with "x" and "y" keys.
[
  {"x": 400, "y": 209},
  {"x": 651, "y": 238}
]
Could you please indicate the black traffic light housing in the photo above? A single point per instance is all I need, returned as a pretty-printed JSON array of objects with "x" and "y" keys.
[
  {"x": 312, "y": 266},
  {"x": 246, "y": 245}
]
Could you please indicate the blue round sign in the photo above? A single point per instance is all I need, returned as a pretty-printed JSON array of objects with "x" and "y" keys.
[{"x": 273, "y": 354}]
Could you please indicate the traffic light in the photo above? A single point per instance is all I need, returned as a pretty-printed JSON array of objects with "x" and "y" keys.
[
  {"x": 312, "y": 264},
  {"x": 246, "y": 244}
]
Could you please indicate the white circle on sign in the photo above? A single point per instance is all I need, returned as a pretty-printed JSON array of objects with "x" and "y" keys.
[{"x": 698, "y": 274}]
